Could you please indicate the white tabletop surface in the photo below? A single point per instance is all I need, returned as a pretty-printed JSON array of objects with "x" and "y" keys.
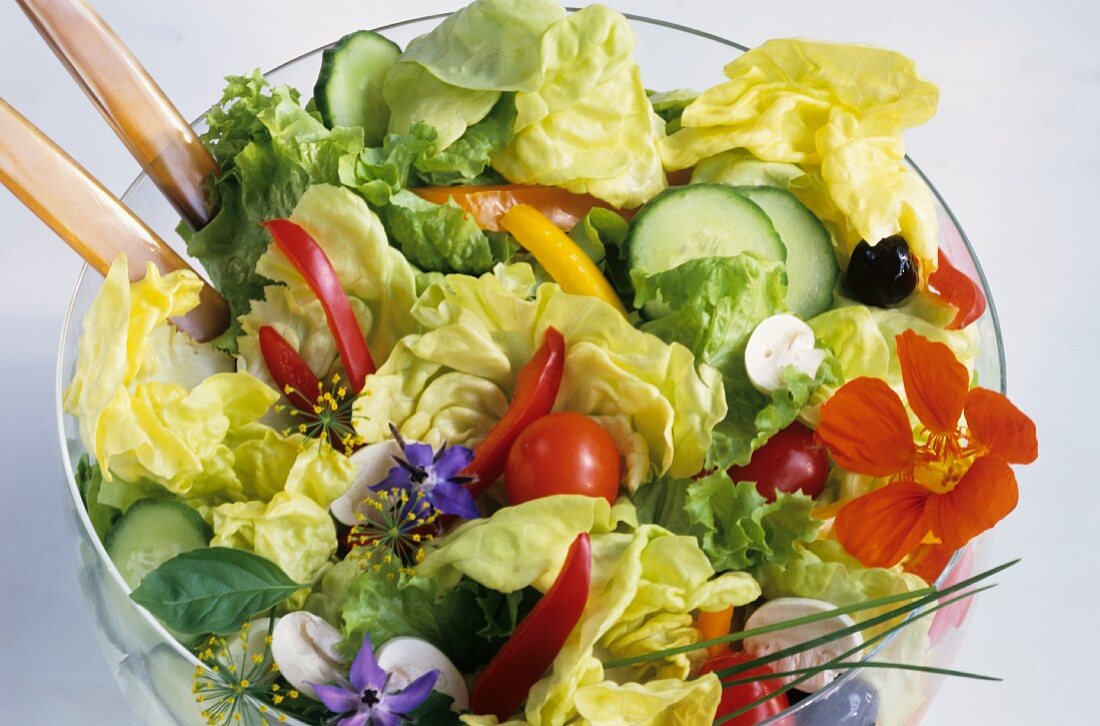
[{"x": 1015, "y": 149}]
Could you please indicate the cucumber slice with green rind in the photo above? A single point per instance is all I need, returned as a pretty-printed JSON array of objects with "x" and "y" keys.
[
  {"x": 349, "y": 86},
  {"x": 152, "y": 532},
  {"x": 812, "y": 269},
  {"x": 700, "y": 220}
]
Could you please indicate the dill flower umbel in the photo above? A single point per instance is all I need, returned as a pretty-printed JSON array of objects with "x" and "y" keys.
[
  {"x": 237, "y": 680},
  {"x": 393, "y": 528},
  {"x": 328, "y": 417}
]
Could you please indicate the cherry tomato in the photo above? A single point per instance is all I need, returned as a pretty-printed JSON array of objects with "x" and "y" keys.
[
  {"x": 789, "y": 462},
  {"x": 738, "y": 696},
  {"x": 562, "y": 453}
]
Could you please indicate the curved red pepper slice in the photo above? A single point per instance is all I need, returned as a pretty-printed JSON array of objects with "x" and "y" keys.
[
  {"x": 504, "y": 683},
  {"x": 536, "y": 388},
  {"x": 310, "y": 261},
  {"x": 289, "y": 370},
  {"x": 956, "y": 288}
]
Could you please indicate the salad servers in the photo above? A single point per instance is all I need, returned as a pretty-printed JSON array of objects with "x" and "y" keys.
[
  {"x": 131, "y": 102},
  {"x": 89, "y": 218}
]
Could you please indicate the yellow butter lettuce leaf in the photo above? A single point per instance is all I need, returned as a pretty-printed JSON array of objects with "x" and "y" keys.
[
  {"x": 667, "y": 702},
  {"x": 453, "y": 381},
  {"x": 646, "y": 584},
  {"x": 379, "y": 281},
  {"x": 153, "y": 404},
  {"x": 589, "y": 127},
  {"x": 291, "y": 530},
  {"x": 836, "y": 110},
  {"x": 542, "y": 529}
]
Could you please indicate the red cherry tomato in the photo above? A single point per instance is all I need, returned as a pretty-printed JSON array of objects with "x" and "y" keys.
[
  {"x": 562, "y": 453},
  {"x": 736, "y": 697},
  {"x": 789, "y": 462}
]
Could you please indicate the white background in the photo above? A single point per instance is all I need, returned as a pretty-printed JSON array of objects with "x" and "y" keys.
[{"x": 1015, "y": 149}]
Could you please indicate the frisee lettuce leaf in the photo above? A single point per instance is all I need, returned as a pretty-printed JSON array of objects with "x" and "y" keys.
[{"x": 736, "y": 527}]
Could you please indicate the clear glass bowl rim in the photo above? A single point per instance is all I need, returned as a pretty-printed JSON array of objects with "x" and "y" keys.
[{"x": 68, "y": 321}]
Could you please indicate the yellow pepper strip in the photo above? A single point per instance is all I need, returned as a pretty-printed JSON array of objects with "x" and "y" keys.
[{"x": 562, "y": 258}]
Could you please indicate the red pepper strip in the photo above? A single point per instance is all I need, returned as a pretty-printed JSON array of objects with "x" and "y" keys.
[
  {"x": 504, "y": 683},
  {"x": 536, "y": 388},
  {"x": 958, "y": 289},
  {"x": 487, "y": 204},
  {"x": 310, "y": 261},
  {"x": 289, "y": 370}
]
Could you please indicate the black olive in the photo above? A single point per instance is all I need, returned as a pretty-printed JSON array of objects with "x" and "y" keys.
[{"x": 882, "y": 275}]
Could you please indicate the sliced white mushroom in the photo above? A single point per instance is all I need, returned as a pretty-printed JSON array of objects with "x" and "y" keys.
[
  {"x": 406, "y": 659},
  {"x": 304, "y": 646},
  {"x": 777, "y": 342},
  {"x": 373, "y": 464},
  {"x": 789, "y": 608}
]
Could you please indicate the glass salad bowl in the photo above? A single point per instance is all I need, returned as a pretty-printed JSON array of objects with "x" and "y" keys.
[{"x": 155, "y": 672}]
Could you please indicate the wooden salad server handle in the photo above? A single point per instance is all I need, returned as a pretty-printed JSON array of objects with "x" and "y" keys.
[
  {"x": 132, "y": 103},
  {"x": 91, "y": 219}
]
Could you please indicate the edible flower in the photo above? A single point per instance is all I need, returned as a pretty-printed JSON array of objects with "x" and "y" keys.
[
  {"x": 368, "y": 698},
  {"x": 435, "y": 473},
  {"x": 393, "y": 530},
  {"x": 952, "y": 481},
  {"x": 235, "y": 684}
]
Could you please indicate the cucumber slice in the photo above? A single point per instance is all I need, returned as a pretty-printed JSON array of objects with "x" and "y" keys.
[
  {"x": 700, "y": 220},
  {"x": 152, "y": 532},
  {"x": 349, "y": 87},
  {"x": 812, "y": 269}
]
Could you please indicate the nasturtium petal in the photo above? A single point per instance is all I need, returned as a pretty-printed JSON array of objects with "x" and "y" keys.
[
  {"x": 881, "y": 528},
  {"x": 985, "y": 495},
  {"x": 995, "y": 423},
  {"x": 935, "y": 381},
  {"x": 866, "y": 429}
]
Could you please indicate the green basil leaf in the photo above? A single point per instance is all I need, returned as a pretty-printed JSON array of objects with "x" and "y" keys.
[{"x": 213, "y": 590}]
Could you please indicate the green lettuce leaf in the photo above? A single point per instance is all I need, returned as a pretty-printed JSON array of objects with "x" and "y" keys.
[
  {"x": 602, "y": 235},
  {"x": 270, "y": 150},
  {"x": 89, "y": 479},
  {"x": 443, "y": 237},
  {"x": 670, "y": 105},
  {"x": 487, "y": 45},
  {"x": 415, "y": 96},
  {"x": 466, "y": 622},
  {"x": 466, "y": 161},
  {"x": 735, "y": 525},
  {"x": 711, "y": 306}
]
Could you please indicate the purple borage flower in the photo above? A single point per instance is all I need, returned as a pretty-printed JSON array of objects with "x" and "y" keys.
[
  {"x": 368, "y": 699},
  {"x": 436, "y": 474}
]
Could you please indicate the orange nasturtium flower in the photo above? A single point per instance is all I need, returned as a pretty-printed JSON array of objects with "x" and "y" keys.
[{"x": 951, "y": 481}]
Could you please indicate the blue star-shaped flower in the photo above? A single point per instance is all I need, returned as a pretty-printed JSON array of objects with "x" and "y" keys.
[{"x": 436, "y": 474}]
